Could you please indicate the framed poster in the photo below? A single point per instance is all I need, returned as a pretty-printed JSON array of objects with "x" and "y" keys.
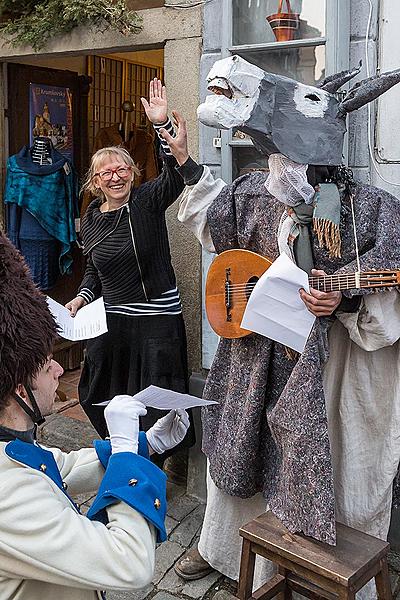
[{"x": 50, "y": 115}]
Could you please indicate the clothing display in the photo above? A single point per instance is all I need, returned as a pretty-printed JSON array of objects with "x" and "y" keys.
[
  {"x": 52, "y": 534},
  {"x": 129, "y": 264},
  {"x": 41, "y": 201}
]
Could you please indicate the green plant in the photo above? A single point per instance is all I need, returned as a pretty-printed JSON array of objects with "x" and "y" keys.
[{"x": 35, "y": 22}]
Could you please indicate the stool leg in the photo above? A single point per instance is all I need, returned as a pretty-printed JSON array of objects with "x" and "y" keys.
[
  {"x": 287, "y": 594},
  {"x": 246, "y": 576},
  {"x": 382, "y": 581}
]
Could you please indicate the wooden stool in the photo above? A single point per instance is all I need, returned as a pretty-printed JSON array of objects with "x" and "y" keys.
[{"x": 309, "y": 567}]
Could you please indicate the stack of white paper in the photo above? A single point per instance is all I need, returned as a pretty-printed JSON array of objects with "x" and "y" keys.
[
  {"x": 89, "y": 322},
  {"x": 275, "y": 308}
]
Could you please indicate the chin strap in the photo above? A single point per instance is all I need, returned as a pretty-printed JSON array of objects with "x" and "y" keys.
[{"x": 34, "y": 414}]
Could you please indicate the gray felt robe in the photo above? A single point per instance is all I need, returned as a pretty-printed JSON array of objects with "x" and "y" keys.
[{"x": 270, "y": 433}]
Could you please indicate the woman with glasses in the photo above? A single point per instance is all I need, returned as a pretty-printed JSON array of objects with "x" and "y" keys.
[{"x": 128, "y": 263}]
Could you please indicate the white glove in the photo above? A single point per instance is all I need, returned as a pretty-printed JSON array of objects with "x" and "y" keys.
[
  {"x": 122, "y": 418},
  {"x": 168, "y": 431}
]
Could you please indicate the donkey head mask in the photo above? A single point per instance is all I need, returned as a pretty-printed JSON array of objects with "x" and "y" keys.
[{"x": 305, "y": 123}]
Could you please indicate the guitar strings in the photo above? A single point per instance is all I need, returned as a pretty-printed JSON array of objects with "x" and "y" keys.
[
  {"x": 367, "y": 282},
  {"x": 331, "y": 282}
]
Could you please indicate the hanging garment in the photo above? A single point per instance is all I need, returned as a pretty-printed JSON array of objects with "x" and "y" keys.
[{"x": 41, "y": 208}]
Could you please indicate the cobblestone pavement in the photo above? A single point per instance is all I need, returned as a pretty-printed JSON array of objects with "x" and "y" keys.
[{"x": 69, "y": 429}]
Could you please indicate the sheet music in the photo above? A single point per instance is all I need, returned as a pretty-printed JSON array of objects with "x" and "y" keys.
[
  {"x": 275, "y": 308},
  {"x": 157, "y": 397},
  {"x": 89, "y": 322}
]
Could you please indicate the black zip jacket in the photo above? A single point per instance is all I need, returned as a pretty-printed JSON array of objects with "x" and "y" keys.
[{"x": 128, "y": 254}]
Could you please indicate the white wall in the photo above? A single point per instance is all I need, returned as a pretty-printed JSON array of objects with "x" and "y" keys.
[{"x": 387, "y": 139}]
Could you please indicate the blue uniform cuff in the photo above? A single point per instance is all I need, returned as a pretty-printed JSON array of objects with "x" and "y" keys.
[
  {"x": 103, "y": 449},
  {"x": 132, "y": 479}
]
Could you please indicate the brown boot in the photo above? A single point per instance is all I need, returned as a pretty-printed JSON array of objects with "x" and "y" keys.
[
  {"x": 175, "y": 468},
  {"x": 192, "y": 566}
]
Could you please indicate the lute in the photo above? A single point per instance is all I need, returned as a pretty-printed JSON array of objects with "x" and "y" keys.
[{"x": 233, "y": 274}]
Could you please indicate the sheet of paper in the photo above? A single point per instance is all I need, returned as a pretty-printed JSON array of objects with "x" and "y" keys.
[
  {"x": 157, "y": 397},
  {"x": 89, "y": 322},
  {"x": 275, "y": 308}
]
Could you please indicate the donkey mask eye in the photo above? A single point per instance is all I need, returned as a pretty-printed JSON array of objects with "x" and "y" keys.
[{"x": 313, "y": 97}]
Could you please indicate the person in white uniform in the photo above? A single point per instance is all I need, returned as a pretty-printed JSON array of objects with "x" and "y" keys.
[{"x": 48, "y": 549}]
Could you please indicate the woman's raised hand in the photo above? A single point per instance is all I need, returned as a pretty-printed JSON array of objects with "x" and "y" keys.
[
  {"x": 157, "y": 106},
  {"x": 177, "y": 144}
]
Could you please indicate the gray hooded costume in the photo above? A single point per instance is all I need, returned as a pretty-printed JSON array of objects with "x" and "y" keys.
[{"x": 269, "y": 432}]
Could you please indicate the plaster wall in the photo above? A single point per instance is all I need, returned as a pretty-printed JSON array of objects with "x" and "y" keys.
[
  {"x": 381, "y": 119},
  {"x": 159, "y": 25},
  {"x": 182, "y": 81},
  {"x": 358, "y": 154}
]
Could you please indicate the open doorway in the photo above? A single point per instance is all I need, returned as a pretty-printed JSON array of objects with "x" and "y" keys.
[{"x": 80, "y": 103}]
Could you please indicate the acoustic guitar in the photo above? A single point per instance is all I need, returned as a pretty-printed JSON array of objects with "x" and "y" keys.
[{"x": 233, "y": 274}]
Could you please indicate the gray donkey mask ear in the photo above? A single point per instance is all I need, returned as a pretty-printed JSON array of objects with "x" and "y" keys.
[
  {"x": 367, "y": 90},
  {"x": 333, "y": 83}
]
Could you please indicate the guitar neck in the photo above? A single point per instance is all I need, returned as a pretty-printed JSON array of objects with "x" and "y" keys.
[{"x": 367, "y": 279}]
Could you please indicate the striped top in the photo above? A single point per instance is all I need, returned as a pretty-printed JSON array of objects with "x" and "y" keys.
[
  {"x": 169, "y": 128},
  {"x": 168, "y": 304}
]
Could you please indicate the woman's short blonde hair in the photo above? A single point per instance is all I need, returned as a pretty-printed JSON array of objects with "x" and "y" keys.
[{"x": 98, "y": 159}]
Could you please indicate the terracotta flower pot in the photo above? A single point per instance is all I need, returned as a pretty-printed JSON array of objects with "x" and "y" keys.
[{"x": 284, "y": 24}]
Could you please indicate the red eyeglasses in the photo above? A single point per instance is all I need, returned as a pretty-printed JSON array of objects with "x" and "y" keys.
[{"x": 122, "y": 172}]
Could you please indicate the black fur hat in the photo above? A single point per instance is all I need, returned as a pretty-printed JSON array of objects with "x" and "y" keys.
[{"x": 27, "y": 328}]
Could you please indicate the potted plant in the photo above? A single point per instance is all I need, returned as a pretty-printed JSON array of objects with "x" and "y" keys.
[
  {"x": 36, "y": 22},
  {"x": 284, "y": 24}
]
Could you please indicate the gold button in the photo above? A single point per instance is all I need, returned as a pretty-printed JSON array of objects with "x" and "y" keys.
[
  {"x": 65, "y": 485},
  {"x": 132, "y": 482},
  {"x": 157, "y": 503},
  {"x": 43, "y": 468}
]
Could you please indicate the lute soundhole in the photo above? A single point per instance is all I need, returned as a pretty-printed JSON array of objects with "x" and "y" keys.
[{"x": 250, "y": 286}]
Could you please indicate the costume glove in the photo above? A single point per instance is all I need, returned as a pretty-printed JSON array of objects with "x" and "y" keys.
[
  {"x": 168, "y": 431},
  {"x": 122, "y": 418}
]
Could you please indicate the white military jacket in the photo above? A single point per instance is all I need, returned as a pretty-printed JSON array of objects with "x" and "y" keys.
[{"x": 48, "y": 550}]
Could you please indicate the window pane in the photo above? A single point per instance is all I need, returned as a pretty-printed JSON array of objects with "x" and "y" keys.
[
  {"x": 296, "y": 20},
  {"x": 306, "y": 65},
  {"x": 247, "y": 159}
]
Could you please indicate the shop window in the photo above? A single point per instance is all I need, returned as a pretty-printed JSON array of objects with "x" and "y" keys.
[
  {"x": 260, "y": 22},
  {"x": 113, "y": 82},
  {"x": 138, "y": 78}
]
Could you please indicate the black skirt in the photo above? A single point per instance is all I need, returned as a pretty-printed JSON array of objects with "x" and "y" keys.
[{"x": 135, "y": 352}]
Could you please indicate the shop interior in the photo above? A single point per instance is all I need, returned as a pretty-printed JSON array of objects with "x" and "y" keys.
[{"x": 60, "y": 111}]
